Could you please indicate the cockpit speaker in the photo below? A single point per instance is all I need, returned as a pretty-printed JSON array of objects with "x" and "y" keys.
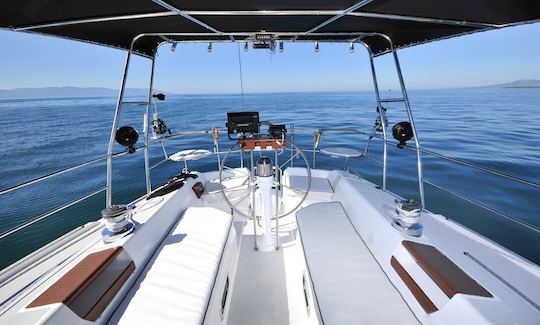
[
  {"x": 402, "y": 132},
  {"x": 127, "y": 137}
]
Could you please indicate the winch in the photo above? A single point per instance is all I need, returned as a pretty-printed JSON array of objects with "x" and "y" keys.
[
  {"x": 407, "y": 219},
  {"x": 117, "y": 224}
]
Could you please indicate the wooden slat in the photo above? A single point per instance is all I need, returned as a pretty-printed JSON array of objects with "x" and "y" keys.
[
  {"x": 445, "y": 273},
  {"x": 417, "y": 292}
]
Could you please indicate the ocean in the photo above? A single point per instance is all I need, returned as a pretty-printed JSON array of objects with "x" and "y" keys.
[{"x": 495, "y": 128}]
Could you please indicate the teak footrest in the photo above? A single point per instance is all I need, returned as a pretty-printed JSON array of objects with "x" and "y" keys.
[
  {"x": 445, "y": 273},
  {"x": 90, "y": 285}
]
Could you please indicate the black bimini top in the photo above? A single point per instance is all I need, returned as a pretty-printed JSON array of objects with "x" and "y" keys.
[{"x": 116, "y": 23}]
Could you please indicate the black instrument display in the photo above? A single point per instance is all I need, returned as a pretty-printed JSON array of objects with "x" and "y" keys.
[{"x": 242, "y": 124}]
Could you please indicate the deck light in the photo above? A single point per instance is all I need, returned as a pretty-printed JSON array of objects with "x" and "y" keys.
[
  {"x": 316, "y": 47},
  {"x": 351, "y": 47},
  {"x": 173, "y": 47},
  {"x": 209, "y": 47},
  {"x": 246, "y": 47},
  {"x": 281, "y": 49}
]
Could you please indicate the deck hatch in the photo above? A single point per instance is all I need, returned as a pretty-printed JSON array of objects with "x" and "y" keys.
[{"x": 90, "y": 285}]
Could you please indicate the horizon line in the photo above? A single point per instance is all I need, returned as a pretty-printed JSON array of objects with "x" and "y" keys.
[{"x": 173, "y": 93}]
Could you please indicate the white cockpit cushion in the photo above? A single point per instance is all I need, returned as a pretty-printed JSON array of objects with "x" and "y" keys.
[
  {"x": 349, "y": 285},
  {"x": 176, "y": 284}
]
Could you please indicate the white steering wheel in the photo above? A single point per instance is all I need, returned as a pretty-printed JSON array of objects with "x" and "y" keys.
[{"x": 250, "y": 188}]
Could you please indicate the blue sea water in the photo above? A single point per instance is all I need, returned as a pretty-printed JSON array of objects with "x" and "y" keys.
[{"x": 496, "y": 128}]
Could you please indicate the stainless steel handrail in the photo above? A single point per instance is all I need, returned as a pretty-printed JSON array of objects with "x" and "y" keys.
[
  {"x": 482, "y": 205},
  {"x": 470, "y": 164},
  {"x": 296, "y": 129},
  {"x": 96, "y": 160},
  {"x": 355, "y": 131},
  {"x": 49, "y": 213},
  {"x": 482, "y": 168},
  {"x": 56, "y": 173},
  {"x": 183, "y": 134},
  {"x": 339, "y": 130}
]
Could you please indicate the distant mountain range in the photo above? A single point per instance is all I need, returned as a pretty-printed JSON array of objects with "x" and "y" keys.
[
  {"x": 56, "y": 92},
  {"x": 529, "y": 83}
]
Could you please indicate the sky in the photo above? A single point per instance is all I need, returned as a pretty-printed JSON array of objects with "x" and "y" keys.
[{"x": 486, "y": 58}]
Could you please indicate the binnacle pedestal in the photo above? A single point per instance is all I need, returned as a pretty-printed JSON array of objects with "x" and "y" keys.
[{"x": 265, "y": 180}]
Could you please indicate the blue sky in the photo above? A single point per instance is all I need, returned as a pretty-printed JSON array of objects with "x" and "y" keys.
[{"x": 480, "y": 59}]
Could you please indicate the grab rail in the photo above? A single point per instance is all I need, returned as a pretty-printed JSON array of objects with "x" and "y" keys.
[
  {"x": 481, "y": 168},
  {"x": 56, "y": 173},
  {"x": 49, "y": 213},
  {"x": 459, "y": 162},
  {"x": 482, "y": 205}
]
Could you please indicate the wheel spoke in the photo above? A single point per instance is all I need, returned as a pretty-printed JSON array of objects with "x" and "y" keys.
[
  {"x": 285, "y": 163},
  {"x": 241, "y": 199},
  {"x": 244, "y": 183}
]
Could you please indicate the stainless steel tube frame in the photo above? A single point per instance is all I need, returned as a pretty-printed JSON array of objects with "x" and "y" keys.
[
  {"x": 411, "y": 120},
  {"x": 146, "y": 126},
  {"x": 108, "y": 198},
  {"x": 381, "y": 115},
  {"x": 407, "y": 108}
]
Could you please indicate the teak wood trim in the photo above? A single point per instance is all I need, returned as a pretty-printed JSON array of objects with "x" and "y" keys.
[
  {"x": 417, "y": 292},
  {"x": 445, "y": 273}
]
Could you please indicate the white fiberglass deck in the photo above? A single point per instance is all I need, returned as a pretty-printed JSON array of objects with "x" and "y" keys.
[{"x": 194, "y": 263}]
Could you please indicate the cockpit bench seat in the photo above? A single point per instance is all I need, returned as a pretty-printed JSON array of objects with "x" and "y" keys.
[
  {"x": 176, "y": 284},
  {"x": 349, "y": 285}
]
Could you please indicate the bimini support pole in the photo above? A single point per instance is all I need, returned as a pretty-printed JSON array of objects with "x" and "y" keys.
[
  {"x": 108, "y": 199},
  {"x": 405, "y": 100},
  {"x": 411, "y": 120},
  {"x": 146, "y": 127},
  {"x": 381, "y": 114}
]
